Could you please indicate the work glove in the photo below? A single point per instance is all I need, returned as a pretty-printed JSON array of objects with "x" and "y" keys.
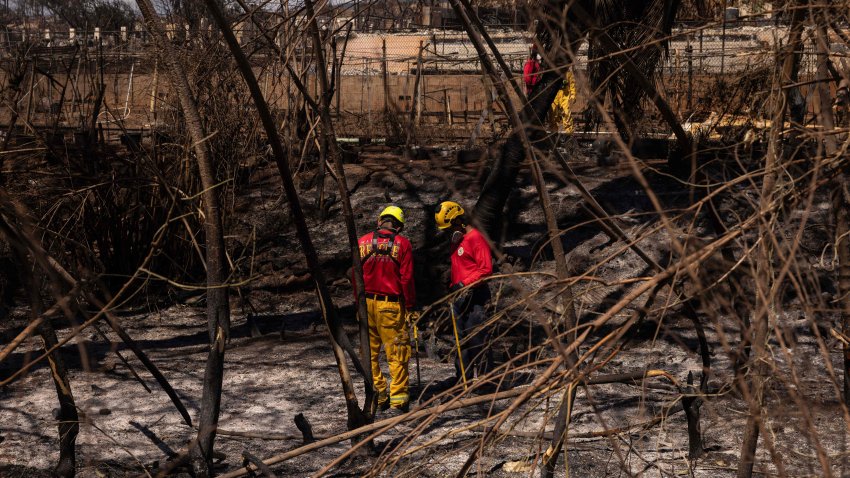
[{"x": 456, "y": 287}]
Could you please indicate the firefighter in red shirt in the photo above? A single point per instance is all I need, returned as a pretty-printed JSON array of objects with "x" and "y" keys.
[
  {"x": 531, "y": 70},
  {"x": 388, "y": 276},
  {"x": 471, "y": 262}
]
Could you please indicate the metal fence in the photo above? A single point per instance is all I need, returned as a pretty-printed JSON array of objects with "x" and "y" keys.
[{"x": 432, "y": 76}]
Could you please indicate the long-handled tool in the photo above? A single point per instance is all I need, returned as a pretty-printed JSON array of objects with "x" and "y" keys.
[
  {"x": 457, "y": 341},
  {"x": 413, "y": 319},
  {"x": 416, "y": 341}
]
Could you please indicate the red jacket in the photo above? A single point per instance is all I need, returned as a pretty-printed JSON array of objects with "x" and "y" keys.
[
  {"x": 531, "y": 72},
  {"x": 471, "y": 259},
  {"x": 389, "y": 274}
]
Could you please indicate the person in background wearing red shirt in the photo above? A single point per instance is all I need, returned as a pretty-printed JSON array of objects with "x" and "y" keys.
[
  {"x": 471, "y": 262},
  {"x": 390, "y": 296},
  {"x": 531, "y": 70}
]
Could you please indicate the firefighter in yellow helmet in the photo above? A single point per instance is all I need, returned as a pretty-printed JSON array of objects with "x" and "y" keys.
[
  {"x": 471, "y": 261},
  {"x": 388, "y": 277}
]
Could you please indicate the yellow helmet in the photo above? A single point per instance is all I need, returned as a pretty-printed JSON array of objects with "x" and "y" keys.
[
  {"x": 446, "y": 212},
  {"x": 394, "y": 212}
]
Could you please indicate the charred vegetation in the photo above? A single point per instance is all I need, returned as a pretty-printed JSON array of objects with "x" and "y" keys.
[{"x": 182, "y": 200}]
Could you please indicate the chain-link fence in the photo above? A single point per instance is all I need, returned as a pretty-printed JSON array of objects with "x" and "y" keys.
[
  {"x": 721, "y": 69},
  {"x": 428, "y": 80}
]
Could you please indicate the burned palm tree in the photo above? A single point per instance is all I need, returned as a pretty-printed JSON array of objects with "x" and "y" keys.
[
  {"x": 626, "y": 41},
  {"x": 644, "y": 44}
]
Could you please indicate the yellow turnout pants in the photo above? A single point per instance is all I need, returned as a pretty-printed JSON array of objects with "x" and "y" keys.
[{"x": 388, "y": 326}]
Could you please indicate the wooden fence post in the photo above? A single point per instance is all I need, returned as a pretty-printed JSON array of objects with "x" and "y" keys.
[
  {"x": 385, "y": 76},
  {"x": 418, "y": 85},
  {"x": 338, "y": 92},
  {"x": 369, "y": 94},
  {"x": 447, "y": 102},
  {"x": 465, "y": 104},
  {"x": 154, "y": 89},
  {"x": 689, "y": 51}
]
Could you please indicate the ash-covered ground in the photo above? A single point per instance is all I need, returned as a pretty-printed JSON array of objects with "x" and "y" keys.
[{"x": 290, "y": 369}]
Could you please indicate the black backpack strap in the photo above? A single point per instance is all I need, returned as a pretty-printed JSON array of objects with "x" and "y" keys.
[{"x": 375, "y": 250}]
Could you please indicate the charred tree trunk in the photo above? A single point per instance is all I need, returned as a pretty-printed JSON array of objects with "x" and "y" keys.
[
  {"x": 502, "y": 179},
  {"x": 67, "y": 420},
  {"x": 765, "y": 307},
  {"x": 759, "y": 370},
  {"x": 218, "y": 306},
  {"x": 841, "y": 194},
  {"x": 339, "y": 340},
  {"x": 370, "y": 402},
  {"x": 691, "y": 403}
]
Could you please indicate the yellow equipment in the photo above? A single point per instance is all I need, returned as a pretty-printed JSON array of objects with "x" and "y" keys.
[
  {"x": 457, "y": 341},
  {"x": 394, "y": 212},
  {"x": 413, "y": 318},
  {"x": 447, "y": 211}
]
